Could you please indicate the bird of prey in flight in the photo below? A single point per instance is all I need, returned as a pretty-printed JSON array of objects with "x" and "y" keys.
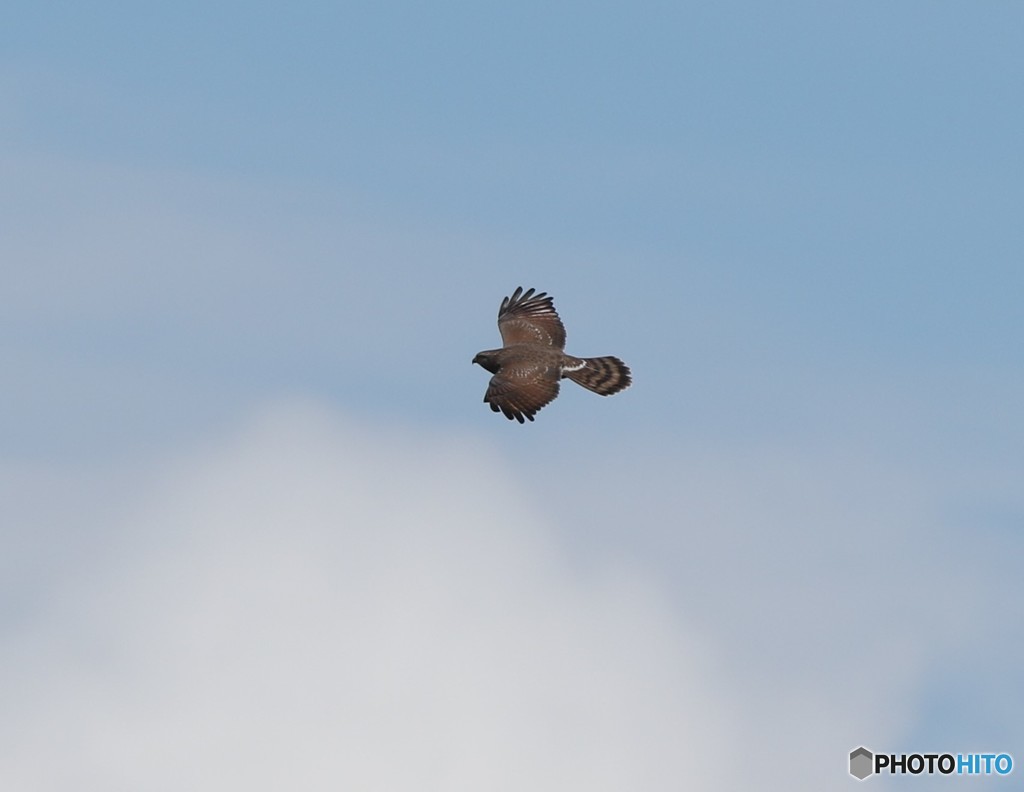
[{"x": 528, "y": 368}]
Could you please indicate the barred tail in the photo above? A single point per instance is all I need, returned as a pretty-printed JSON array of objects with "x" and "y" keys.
[{"x": 603, "y": 375}]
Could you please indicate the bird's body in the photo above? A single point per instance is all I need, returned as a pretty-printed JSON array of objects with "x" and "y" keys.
[{"x": 529, "y": 367}]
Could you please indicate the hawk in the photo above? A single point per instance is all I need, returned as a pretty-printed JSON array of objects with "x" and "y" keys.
[{"x": 527, "y": 370}]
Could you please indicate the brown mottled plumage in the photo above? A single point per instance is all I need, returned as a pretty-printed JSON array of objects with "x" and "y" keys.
[{"x": 528, "y": 368}]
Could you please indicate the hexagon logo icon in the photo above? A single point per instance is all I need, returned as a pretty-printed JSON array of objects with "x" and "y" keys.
[{"x": 861, "y": 763}]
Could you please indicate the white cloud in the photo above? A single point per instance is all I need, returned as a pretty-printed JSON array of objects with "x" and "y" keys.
[
  {"x": 315, "y": 603},
  {"x": 312, "y": 605},
  {"x": 846, "y": 600}
]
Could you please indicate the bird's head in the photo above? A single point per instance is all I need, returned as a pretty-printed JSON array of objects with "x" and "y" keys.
[{"x": 487, "y": 359}]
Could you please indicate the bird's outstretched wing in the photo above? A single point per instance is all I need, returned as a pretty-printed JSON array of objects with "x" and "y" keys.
[
  {"x": 520, "y": 392},
  {"x": 528, "y": 318}
]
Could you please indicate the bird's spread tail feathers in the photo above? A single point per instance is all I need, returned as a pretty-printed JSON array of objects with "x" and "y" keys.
[{"x": 603, "y": 375}]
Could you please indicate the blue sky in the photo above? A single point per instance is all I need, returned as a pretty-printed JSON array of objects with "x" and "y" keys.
[{"x": 249, "y": 250}]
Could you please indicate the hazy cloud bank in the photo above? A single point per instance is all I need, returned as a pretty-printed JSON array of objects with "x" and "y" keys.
[{"x": 308, "y": 604}]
